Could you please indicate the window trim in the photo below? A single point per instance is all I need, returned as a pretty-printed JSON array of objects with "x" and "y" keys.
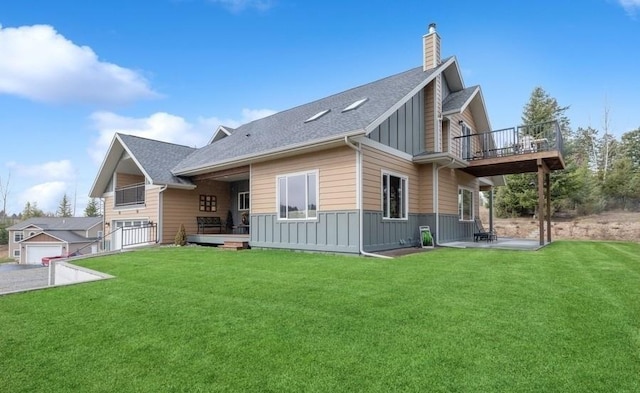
[
  {"x": 15, "y": 236},
  {"x": 314, "y": 172},
  {"x": 404, "y": 179},
  {"x": 240, "y": 194},
  {"x": 461, "y": 204},
  {"x": 466, "y": 144},
  {"x": 16, "y": 253}
]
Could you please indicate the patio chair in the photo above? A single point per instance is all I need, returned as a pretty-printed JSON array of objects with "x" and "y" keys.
[{"x": 482, "y": 234}]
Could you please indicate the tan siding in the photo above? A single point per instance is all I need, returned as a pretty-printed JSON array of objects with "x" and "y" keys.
[
  {"x": 425, "y": 192},
  {"x": 337, "y": 179},
  {"x": 374, "y": 162},
  {"x": 126, "y": 179},
  {"x": 448, "y": 182},
  {"x": 183, "y": 206},
  {"x": 149, "y": 211},
  {"x": 43, "y": 237}
]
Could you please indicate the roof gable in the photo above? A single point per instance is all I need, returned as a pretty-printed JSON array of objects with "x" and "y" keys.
[{"x": 153, "y": 158}]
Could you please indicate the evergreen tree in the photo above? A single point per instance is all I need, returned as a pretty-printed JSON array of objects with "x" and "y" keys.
[
  {"x": 64, "y": 208},
  {"x": 31, "y": 210},
  {"x": 92, "y": 209},
  {"x": 630, "y": 147}
]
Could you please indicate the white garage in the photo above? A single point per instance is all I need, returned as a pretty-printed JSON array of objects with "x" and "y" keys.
[{"x": 35, "y": 252}]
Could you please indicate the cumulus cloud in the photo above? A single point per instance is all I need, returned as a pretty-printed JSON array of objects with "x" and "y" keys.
[
  {"x": 631, "y": 6},
  {"x": 241, "y": 5},
  {"x": 162, "y": 126},
  {"x": 52, "y": 170},
  {"x": 40, "y": 64},
  {"x": 47, "y": 195}
]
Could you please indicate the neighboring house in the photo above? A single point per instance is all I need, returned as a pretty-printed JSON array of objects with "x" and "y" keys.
[
  {"x": 38, "y": 237},
  {"x": 356, "y": 172}
]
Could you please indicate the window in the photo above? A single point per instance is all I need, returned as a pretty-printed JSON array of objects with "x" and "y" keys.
[
  {"x": 16, "y": 253},
  {"x": 297, "y": 196},
  {"x": 355, "y": 105},
  {"x": 31, "y": 234},
  {"x": 465, "y": 204},
  {"x": 243, "y": 200},
  {"x": 466, "y": 142},
  {"x": 208, "y": 203},
  {"x": 18, "y": 236},
  {"x": 318, "y": 115},
  {"x": 394, "y": 196}
]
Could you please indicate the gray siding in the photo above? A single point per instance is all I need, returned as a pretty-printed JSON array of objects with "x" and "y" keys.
[
  {"x": 382, "y": 234},
  {"x": 404, "y": 129},
  {"x": 333, "y": 232},
  {"x": 236, "y": 187}
]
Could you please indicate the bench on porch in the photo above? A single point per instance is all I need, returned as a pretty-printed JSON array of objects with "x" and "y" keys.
[{"x": 209, "y": 222}]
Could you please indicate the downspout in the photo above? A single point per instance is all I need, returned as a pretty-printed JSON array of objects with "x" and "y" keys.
[
  {"x": 160, "y": 212},
  {"x": 436, "y": 202},
  {"x": 359, "y": 200}
]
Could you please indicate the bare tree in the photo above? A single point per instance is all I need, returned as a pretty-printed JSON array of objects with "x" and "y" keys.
[
  {"x": 4, "y": 194},
  {"x": 606, "y": 124}
]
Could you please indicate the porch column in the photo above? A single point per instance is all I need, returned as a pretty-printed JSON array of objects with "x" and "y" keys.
[{"x": 547, "y": 178}]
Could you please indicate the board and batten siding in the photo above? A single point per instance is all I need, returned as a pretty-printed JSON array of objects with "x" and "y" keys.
[
  {"x": 404, "y": 129},
  {"x": 181, "y": 206},
  {"x": 337, "y": 227}
]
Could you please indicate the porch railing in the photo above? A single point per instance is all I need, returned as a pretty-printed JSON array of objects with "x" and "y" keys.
[
  {"x": 130, "y": 195},
  {"x": 509, "y": 141}
]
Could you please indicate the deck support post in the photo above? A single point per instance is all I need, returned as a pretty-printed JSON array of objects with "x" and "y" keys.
[
  {"x": 491, "y": 209},
  {"x": 547, "y": 179},
  {"x": 543, "y": 171}
]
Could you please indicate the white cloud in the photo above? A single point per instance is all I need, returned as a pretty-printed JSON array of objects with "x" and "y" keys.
[
  {"x": 631, "y": 6},
  {"x": 241, "y": 5},
  {"x": 47, "y": 195},
  {"x": 40, "y": 64},
  {"x": 52, "y": 170},
  {"x": 162, "y": 126}
]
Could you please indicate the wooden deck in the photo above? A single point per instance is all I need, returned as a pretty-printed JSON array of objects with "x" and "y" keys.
[{"x": 516, "y": 163}]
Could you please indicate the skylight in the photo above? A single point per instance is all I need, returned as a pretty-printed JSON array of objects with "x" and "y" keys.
[
  {"x": 318, "y": 115},
  {"x": 355, "y": 105}
]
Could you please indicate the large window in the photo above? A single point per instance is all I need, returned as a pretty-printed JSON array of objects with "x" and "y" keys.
[
  {"x": 465, "y": 204},
  {"x": 243, "y": 200},
  {"x": 394, "y": 196},
  {"x": 297, "y": 196}
]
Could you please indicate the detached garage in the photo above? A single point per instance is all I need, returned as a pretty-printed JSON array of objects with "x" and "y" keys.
[{"x": 53, "y": 244}]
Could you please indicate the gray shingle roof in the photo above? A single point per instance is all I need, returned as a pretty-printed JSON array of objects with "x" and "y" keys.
[
  {"x": 454, "y": 101},
  {"x": 288, "y": 128},
  {"x": 157, "y": 158},
  {"x": 69, "y": 236},
  {"x": 59, "y": 223}
]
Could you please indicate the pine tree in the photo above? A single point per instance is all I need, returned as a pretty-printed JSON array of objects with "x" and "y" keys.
[
  {"x": 92, "y": 209},
  {"x": 64, "y": 208},
  {"x": 31, "y": 210}
]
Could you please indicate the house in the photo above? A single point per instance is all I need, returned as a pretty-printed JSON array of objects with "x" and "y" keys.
[
  {"x": 38, "y": 237},
  {"x": 356, "y": 172}
]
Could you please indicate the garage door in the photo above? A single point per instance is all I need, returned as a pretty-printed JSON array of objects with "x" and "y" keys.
[{"x": 35, "y": 253}]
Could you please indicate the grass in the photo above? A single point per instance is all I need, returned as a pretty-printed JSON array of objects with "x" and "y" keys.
[{"x": 563, "y": 319}]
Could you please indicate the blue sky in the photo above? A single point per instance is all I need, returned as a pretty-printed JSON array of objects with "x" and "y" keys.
[{"x": 72, "y": 73}]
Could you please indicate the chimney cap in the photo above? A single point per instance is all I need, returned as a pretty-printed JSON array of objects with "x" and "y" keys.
[{"x": 432, "y": 28}]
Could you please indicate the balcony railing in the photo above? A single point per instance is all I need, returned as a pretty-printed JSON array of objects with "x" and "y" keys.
[
  {"x": 130, "y": 195},
  {"x": 509, "y": 141}
]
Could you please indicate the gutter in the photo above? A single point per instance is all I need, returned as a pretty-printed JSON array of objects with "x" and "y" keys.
[
  {"x": 160, "y": 210},
  {"x": 358, "y": 151}
]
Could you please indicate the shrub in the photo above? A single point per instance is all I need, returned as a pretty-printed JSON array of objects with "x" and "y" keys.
[{"x": 181, "y": 236}]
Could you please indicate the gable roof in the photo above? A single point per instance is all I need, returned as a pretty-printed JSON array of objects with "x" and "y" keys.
[
  {"x": 58, "y": 223},
  {"x": 64, "y": 236},
  {"x": 154, "y": 159},
  {"x": 471, "y": 97},
  {"x": 293, "y": 128}
]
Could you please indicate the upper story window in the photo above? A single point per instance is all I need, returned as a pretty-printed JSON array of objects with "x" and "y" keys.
[
  {"x": 395, "y": 200},
  {"x": 297, "y": 196},
  {"x": 243, "y": 200},
  {"x": 465, "y": 204},
  {"x": 18, "y": 236}
]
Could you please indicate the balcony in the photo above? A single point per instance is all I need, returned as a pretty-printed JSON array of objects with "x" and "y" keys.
[
  {"x": 511, "y": 150},
  {"x": 131, "y": 195}
]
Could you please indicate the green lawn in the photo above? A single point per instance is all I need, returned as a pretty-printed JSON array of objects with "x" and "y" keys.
[{"x": 563, "y": 319}]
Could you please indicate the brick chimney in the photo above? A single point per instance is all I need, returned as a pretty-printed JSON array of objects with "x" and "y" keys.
[{"x": 431, "y": 48}]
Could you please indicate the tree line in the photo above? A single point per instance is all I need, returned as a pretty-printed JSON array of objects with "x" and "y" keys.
[{"x": 601, "y": 172}]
